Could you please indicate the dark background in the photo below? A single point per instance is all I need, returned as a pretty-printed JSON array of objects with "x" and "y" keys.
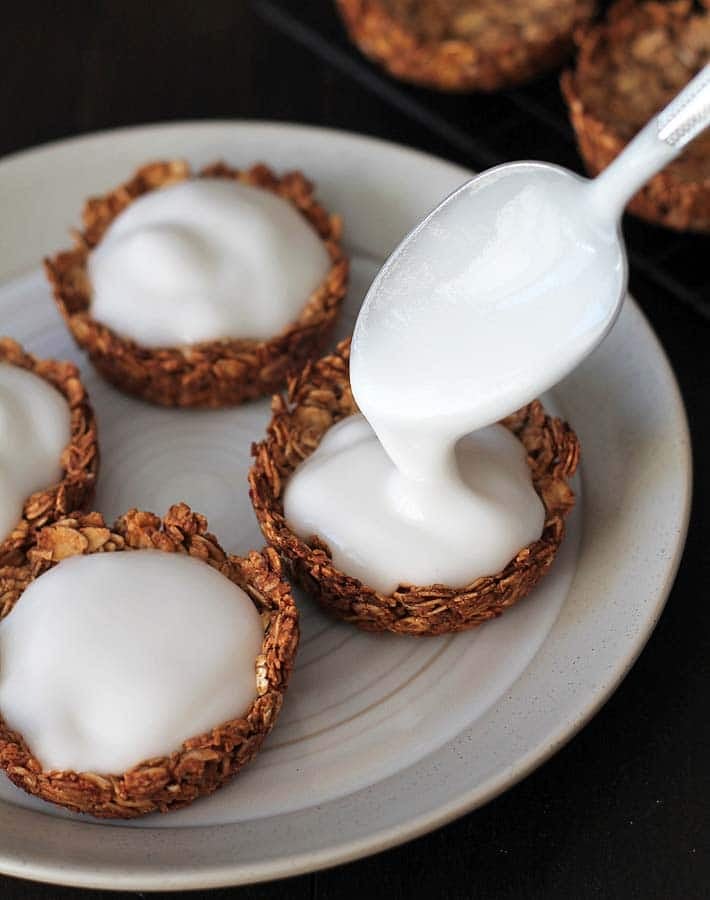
[{"x": 622, "y": 811}]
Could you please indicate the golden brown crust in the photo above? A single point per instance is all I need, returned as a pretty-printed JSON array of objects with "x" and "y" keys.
[
  {"x": 628, "y": 68},
  {"x": 465, "y": 45},
  {"x": 319, "y": 398},
  {"x": 206, "y": 761},
  {"x": 215, "y": 373},
  {"x": 80, "y": 458}
]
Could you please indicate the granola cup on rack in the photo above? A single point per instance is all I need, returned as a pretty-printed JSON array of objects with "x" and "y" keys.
[
  {"x": 79, "y": 461},
  {"x": 203, "y": 762},
  {"x": 465, "y": 45},
  {"x": 214, "y": 373},
  {"x": 321, "y": 396},
  {"x": 628, "y": 68}
]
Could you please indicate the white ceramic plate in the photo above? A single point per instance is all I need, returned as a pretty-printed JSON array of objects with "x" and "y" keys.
[{"x": 381, "y": 738}]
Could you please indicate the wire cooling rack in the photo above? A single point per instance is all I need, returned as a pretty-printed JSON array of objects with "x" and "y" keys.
[{"x": 483, "y": 130}]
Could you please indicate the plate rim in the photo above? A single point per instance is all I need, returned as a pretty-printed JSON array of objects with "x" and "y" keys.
[{"x": 384, "y": 838}]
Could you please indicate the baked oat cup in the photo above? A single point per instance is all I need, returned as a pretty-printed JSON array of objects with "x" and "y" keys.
[
  {"x": 628, "y": 68},
  {"x": 79, "y": 460},
  {"x": 203, "y": 762},
  {"x": 321, "y": 396},
  {"x": 465, "y": 45},
  {"x": 214, "y": 373}
]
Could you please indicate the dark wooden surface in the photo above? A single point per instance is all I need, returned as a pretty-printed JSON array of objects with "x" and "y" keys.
[{"x": 622, "y": 811}]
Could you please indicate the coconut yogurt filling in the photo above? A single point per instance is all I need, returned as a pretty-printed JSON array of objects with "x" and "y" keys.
[
  {"x": 204, "y": 260},
  {"x": 111, "y": 659},
  {"x": 35, "y": 427},
  {"x": 485, "y": 305},
  {"x": 386, "y": 531}
]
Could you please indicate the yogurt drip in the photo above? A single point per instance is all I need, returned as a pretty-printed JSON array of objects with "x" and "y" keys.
[
  {"x": 35, "y": 427},
  {"x": 204, "y": 260},
  {"x": 488, "y": 303},
  {"x": 114, "y": 658}
]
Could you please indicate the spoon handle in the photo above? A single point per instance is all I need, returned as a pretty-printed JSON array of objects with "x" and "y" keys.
[
  {"x": 658, "y": 142},
  {"x": 688, "y": 114}
]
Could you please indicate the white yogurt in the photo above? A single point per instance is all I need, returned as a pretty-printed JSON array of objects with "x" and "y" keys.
[
  {"x": 204, "y": 260},
  {"x": 111, "y": 659},
  {"x": 387, "y": 530},
  {"x": 35, "y": 427},
  {"x": 488, "y": 303}
]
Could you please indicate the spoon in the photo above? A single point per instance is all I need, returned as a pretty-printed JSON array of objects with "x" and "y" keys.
[{"x": 503, "y": 289}]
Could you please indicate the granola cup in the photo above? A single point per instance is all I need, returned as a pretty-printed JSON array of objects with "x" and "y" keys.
[
  {"x": 79, "y": 460},
  {"x": 215, "y": 373},
  {"x": 465, "y": 45},
  {"x": 204, "y": 762},
  {"x": 628, "y": 68},
  {"x": 321, "y": 396}
]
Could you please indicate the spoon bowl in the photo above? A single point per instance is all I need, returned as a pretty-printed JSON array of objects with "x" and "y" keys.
[
  {"x": 501, "y": 291},
  {"x": 522, "y": 279}
]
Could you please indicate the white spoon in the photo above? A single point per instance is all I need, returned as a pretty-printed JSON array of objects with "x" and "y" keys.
[{"x": 503, "y": 289}]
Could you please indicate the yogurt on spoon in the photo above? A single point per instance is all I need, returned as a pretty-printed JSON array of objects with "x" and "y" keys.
[
  {"x": 488, "y": 303},
  {"x": 498, "y": 294}
]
